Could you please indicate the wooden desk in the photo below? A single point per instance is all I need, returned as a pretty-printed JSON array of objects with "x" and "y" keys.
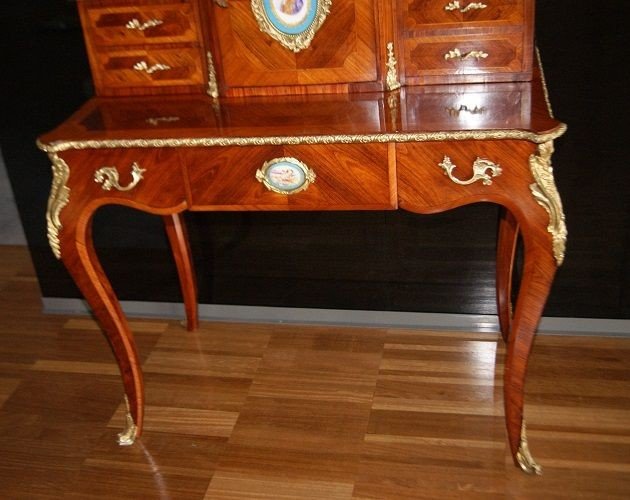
[{"x": 421, "y": 149}]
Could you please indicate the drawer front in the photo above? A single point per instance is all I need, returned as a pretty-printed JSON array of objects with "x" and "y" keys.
[
  {"x": 467, "y": 107},
  {"x": 139, "y": 68},
  {"x": 346, "y": 177},
  {"x": 443, "y": 14},
  {"x": 153, "y": 114},
  {"x": 142, "y": 178},
  {"x": 141, "y": 24},
  {"x": 424, "y": 186},
  {"x": 457, "y": 55}
]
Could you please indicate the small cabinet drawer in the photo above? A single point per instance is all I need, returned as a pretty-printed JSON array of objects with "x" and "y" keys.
[
  {"x": 136, "y": 177},
  {"x": 138, "y": 68},
  {"x": 342, "y": 177},
  {"x": 443, "y": 14},
  {"x": 141, "y": 24},
  {"x": 431, "y": 57},
  {"x": 467, "y": 107}
]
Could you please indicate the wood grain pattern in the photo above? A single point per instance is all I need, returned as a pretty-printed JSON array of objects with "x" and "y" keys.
[
  {"x": 344, "y": 51},
  {"x": 347, "y": 177},
  {"x": 164, "y": 35},
  {"x": 309, "y": 420},
  {"x": 427, "y": 31}
]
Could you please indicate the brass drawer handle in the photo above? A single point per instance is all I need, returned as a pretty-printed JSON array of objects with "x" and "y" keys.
[
  {"x": 457, "y": 54},
  {"x": 108, "y": 177},
  {"x": 285, "y": 175},
  {"x": 135, "y": 24},
  {"x": 156, "y": 120},
  {"x": 455, "y": 5},
  {"x": 453, "y": 111},
  {"x": 479, "y": 171},
  {"x": 143, "y": 66}
]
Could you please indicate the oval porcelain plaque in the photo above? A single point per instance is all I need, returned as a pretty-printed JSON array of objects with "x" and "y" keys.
[
  {"x": 293, "y": 23},
  {"x": 285, "y": 175}
]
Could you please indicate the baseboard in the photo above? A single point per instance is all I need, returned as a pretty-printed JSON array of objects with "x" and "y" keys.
[{"x": 384, "y": 319}]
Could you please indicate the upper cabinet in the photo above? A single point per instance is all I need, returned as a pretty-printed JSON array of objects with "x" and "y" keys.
[
  {"x": 272, "y": 46},
  {"x": 279, "y": 47},
  {"x": 461, "y": 41}
]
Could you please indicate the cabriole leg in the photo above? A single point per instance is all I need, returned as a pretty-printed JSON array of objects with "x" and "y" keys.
[
  {"x": 506, "y": 252},
  {"x": 178, "y": 239},
  {"x": 79, "y": 257}
]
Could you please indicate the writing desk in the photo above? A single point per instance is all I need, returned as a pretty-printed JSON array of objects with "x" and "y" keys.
[{"x": 422, "y": 149}]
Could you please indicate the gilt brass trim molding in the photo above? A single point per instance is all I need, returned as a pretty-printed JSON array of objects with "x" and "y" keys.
[
  {"x": 543, "y": 81},
  {"x": 57, "y": 200},
  {"x": 546, "y": 195},
  {"x": 397, "y": 137}
]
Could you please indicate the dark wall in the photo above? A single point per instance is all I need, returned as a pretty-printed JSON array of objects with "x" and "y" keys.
[{"x": 384, "y": 261}]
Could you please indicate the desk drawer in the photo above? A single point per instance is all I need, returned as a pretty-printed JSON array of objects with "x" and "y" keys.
[
  {"x": 141, "y": 24},
  {"x": 136, "y": 177},
  {"x": 147, "y": 67},
  {"x": 346, "y": 177},
  {"x": 425, "y": 187},
  {"x": 434, "y": 59},
  {"x": 445, "y": 14}
]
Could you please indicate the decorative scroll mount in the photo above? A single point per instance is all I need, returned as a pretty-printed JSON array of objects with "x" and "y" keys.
[
  {"x": 391, "y": 81},
  {"x": 109, "y": 178},
  {"x": 546, "y": 194},
  {"x": 480, "y": 166},
  {"x": 57, "y": 200}
]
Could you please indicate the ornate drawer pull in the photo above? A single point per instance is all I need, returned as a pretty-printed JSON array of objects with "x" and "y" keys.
[
  {"x": 135, "y": 24},
  {"x": 285, "y": 175},
  {"x": 479, "y": 171},
  {"x": 471, "y": 6},
  {"x": 143, "y": 66},
  {"x": 457, "y": 54},
  {"x": 452, "y": 111},
  {"x": 222, "y": 3},
  {"x": 155, "y": 121},
  {"x": 108, "y": 177}
]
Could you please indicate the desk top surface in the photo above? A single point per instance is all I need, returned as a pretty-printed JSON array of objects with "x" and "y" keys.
[{"x": 517, "y": 110}]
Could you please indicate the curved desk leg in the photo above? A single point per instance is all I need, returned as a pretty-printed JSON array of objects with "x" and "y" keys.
[
  {"x": 506, "y": 253},
  {"x": 178, "y": 239},
  {"x": 544, "y": 236},
  {"x": 538, "y": 273},
  {"x": 80, "y": 259}
]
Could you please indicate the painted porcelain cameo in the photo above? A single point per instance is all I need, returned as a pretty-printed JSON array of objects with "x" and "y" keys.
[
  {"x": 285, "y": 175},
  {"x": 293, "y": 23}
]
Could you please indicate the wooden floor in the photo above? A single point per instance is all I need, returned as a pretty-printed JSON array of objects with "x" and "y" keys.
[{"x": 242, "y": 411}]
